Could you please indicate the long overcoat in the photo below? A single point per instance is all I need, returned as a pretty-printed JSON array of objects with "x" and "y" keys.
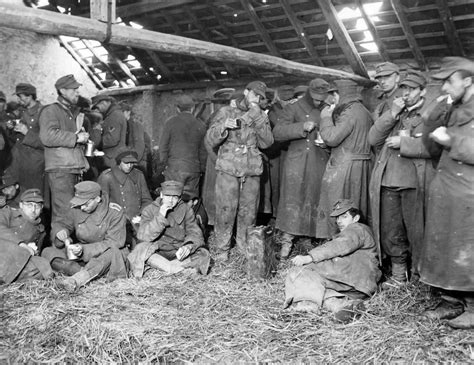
[
  {"x": 348, "y": 170},
  {"x": 303, "y": 169},
  {"x": 447, "y": 258}
]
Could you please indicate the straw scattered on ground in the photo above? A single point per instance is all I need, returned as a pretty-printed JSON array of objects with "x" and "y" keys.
[{"x": 222, "y": 318}]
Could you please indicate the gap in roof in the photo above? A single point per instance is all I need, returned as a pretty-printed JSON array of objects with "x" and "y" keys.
[
  {"x": 372, "y": 9},
  {"x": 136, "y": 25}
]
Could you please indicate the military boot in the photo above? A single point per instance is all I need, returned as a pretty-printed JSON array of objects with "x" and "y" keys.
[
  {"x": 65, "y": 266},
  {"x": 161, "y": 263},
  {"x": 466, "y": 320},
  {"x": 286, "y": 240},
  {"x": 73, "y": 283},
  {"x": 200, "y": 260},
  {"x": 398, "y": 278}
]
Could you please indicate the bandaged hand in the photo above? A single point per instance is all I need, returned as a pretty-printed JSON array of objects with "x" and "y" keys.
[
  {"x": 62, "y": 235},
  {"x": 183, "y": 252}
]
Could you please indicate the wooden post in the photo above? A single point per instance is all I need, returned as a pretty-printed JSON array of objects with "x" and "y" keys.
[{"x": 100, "y": 10}]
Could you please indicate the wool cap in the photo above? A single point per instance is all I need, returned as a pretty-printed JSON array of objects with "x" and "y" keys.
[
  {"x": 450, "y": 65},
  {"x": 300, "y": 89},
  {"x": 85, "y": 191},
  {"x": 286, "y": 92},
  {"x": 318, "y": 89},
  {"x": 8, "y": 180},
  {"x": 224, "y": 93},
  {"x": 101, "y": 97},
  {"x": 24, "y": 88},
  {"x": 414, "y": 78},
  {"x": 258, "y": 87},
  {"x": 172, "y": 187},
  {"x": 67, "y": 82},
  {"x": 385, "y": 69},
  {"x": 126, "y": 155},
  {"x": 32, "y": 195},
  {"x": 185, "y": 101},
  {"x": 342, "y": 206}
]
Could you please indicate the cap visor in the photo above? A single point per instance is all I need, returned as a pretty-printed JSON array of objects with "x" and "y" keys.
[
  {"x": 443, "y": 75},
  {"x": 129, "y": 160},
  {"x": 410, "y": 83},
  {"x": 34, "y": 200},
  {"x": 76, "y": 202},
  {"x": 384, "y": 73}
]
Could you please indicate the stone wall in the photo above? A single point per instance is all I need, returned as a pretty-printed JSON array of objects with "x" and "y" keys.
[{"x": 39, "y": 60}]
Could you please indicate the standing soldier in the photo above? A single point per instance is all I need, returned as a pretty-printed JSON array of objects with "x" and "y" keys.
[
  {"x": 387, "y": 75},
  {"x": 63, "y": 137},
  {"x": 303, "y": 166},
  {"x": 447, "y": 259},
  {"x": 240, "y": 131}
]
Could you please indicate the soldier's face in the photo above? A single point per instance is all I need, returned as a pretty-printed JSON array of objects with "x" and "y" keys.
[
  {"x": 91, "y": 205},
  {"x": 24, "y": 100},
  {"x": 170, "y": 200},
  {"x": 411, "y": 95},
  {"x": 71, "y": 95},
  {"x": 388, "y": 83},
  {"x": 10, "y": 191},
  {"x": 344, "y": 220},
  {"x": 126, "y": 167},
  {"x": 31, "y": 210},
  {"x": 455, "y": 85},
  {"x": 252, "y": 97}
]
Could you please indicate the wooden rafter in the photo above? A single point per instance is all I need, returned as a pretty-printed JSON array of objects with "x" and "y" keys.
[
  {"x": 176, "y": 29},
  {"x": 405, "y": 24},
  {"x": 373, "y": 30},
  {"x": 207, "y": 37},
  {"x": 260, "y": 28},
  {"x": 120, "y": 63},
  {"x": 450, "y": 29},
  {"x": 161, "y": 65},
  {"x": 300, "y": 31},
  {"x": 342, "y": 37}
]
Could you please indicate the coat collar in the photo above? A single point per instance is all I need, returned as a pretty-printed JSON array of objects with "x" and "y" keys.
[
  {"x": 122, "y": 176},
  {"x": 462, "y": 113},
  {"x": 96, "y": 216}
]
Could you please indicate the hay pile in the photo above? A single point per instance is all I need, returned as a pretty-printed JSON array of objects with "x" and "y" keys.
[{"x": 221, "y": 318}]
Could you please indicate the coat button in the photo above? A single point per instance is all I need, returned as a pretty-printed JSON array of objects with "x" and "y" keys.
[
  {"x": 459, "y": 174},
  {"x": 460, "y": 162}
]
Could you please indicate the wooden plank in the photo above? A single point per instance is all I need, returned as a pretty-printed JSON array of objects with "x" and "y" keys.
[
  {"x": 373, "y": 30},
  {"x": 342, "y": 37},
  {"x": 121, "y": 64},
  {"x": 48, "y": 22},
  {"x": 300, "y": 31},
  {"x": 161, "y": 65},
  {"x": 405, "y": 24},
  {"x": 450, "y": 29},
  {"x": 99, "y": 9},
  {"x": 260, "y": 28}
]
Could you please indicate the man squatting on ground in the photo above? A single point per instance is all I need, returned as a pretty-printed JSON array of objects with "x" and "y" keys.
[{"x": 171, "y": 239}]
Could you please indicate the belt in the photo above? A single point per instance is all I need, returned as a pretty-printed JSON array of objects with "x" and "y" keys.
[{"x": 360, "y": 156}]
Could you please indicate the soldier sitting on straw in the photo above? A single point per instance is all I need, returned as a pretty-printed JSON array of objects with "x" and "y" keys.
[
  {"x": 171, "y": 238},
  {"x": 338, "y": 274}
]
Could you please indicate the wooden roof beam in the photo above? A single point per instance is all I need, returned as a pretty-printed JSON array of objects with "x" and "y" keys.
[
  {"x": 450, "y": 29},
  {"x": 207, "y": 37},
  {"x": 299, "y": 29},
  {"x": 176, "y": 29},
  {"x": 121, "y": 64},
  {"x": 405, "y": 24},
  {"x": 158, "y": 62},
  {"x": 260, "y": 28},
  {"x": 373, "y": 31},
  {"x": 343, "y": 39}
]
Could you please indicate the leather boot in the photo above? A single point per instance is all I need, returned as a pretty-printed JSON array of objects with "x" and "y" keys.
[
  {"x": 73, "y": 283},
  {"x": 159, "y": 262},
  {"x": 398, "y": 278},
  {"x": 65, "y": 266},
  {"x": 286, "y": 241},
  {"x": 466, "y": 320},
  {"x": 200, "y": 260},
  {"x": 444, "y": 310}
]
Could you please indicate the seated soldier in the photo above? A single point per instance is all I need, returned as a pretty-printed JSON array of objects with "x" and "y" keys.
[
  {"x": 99, "y": 230},
  {"x": 9, "y": 191},
  {"x": 21, "y": 236},
  {"x": 171, "y": 238},
  {"x": 339, "y": 273}
]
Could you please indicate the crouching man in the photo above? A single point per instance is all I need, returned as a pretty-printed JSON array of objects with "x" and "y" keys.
[
  {"x": 171, "y": 238},
  {"x": 338, "y": 274},
  {"x": 21, "y": 233},
  {"x": 98, "y": 229}
]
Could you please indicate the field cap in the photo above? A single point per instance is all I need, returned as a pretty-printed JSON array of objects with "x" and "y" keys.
[
  {"x": 450, "y": 65},
  {"x": 172, "y": 187},
  {"x": 318, "y": 89},
  {"x": 98, "y": 98},
  {"x": 24, "y": 88},
  {"x": 342, "y": 206},
  {"x": 8, "y": 180},
  {"x": 414, "y": 78},
  {"x": 300, "y": 89},
  {"x": 286, "y": 92},
  {"x": 32, "y": 195},
  {"x": 258, "y": 87},
  {"x": 185, "y": 101},
  {"x": 126, "y": 155},
  {"x": 224, "y": 93},
  {"x": 385, "y": 69},
  {"x": 85, "y": 191},
  {"x": 333, "y": 87},
  {"x": 67, "y": 82}
]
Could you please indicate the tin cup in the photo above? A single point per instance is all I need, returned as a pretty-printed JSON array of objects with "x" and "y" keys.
[
  {"x": 89, "y": 152},
  {"x": 70, "y": 255}
]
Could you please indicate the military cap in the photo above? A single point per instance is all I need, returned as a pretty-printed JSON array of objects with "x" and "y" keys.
[
  {"x": 318, "y": 89},
  {"x": 12, "y": 106},
  {"x": 286, "y": 92},
  {"x": 185, "y": 101},
  {"x": 450, "y": 65},
  {"x": 269, "y": 94},
  {"x": 172, "y": 187},
  {"x": 126, "y": 155},
  {"x": 24, "y": 88},
  {"x": 385, "y": 69},
  {"x": 32, "y": 195},
  {"x": 258, "y": 87},
  {"x": 8, "y": 180},
  {"x": 414, "y": 78},
  {"x": 2, "y": 96},
  {"x": 67, "y": 82},
  {"x": 301, "y": 89},
  {"x": 333, "y": 87},
  {"x": 101, "y": 97},
  {"x": 85, "y": 191},
  {"x": 224, "y": 93},
  {"x": 342, "y": 206}
]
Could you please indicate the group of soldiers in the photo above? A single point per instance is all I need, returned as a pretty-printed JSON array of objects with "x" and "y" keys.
[{"x": 320, "y": 163}]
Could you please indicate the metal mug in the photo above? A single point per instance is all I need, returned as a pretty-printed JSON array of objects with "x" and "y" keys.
[{"x": 89, "y": 152}]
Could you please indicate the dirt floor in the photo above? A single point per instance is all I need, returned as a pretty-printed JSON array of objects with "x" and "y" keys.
[{"x": 221, "y": 318}]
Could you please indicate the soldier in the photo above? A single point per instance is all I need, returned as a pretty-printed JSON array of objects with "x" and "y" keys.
[
  {"x": 339, "y": 273},
  {"x": 400, "y": 177},
  {"x": 171, "y": 238},
  {"x": 240, "y": 131},
  {"x": 303, "y": 165},
  {"x": 447, "y": 258},
  {"x": 99, "y": 229},
  {"x": 21, "y": 237},
  {"x": 114, "y": 131},
  {"x": 126, "y": 186},
  {"x": 387, "y": 75},
  {"x": 63, "y": 137},
  {"x": 9, "y": 191}
]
